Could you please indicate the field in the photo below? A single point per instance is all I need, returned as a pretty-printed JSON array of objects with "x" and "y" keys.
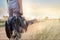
[{"x": 41, "y": 30}]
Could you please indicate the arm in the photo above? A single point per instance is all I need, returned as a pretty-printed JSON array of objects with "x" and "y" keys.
[{"x": 20, "y": 5}]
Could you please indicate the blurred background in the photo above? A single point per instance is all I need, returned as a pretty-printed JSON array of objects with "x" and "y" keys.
[
  {"x": 32, "y": 9},
  {"x": 35, "y": 8}
]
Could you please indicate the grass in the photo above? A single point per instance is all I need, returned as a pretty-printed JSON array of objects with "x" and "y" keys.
[{"x": 51, "y": 32}]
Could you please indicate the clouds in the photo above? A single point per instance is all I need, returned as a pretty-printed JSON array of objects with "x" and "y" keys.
[
  {"x": 51, "y": 9},
  {"x": 42, "y": 8}
]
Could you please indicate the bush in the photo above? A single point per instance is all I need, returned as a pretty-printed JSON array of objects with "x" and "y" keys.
[{"x": 2, "y": 23}]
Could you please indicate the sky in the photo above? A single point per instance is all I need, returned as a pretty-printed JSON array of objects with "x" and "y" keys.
[
  {"x": 3, "y": 8},
  {"x": 38, "y": 8}
]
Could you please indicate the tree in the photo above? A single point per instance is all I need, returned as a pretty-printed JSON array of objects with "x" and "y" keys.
[
  {"x": 5, "y": 17},
  {"x": 46, "y": 18}
]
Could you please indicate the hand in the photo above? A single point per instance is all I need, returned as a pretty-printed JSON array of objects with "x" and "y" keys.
[{"x": 21, "y": 12}]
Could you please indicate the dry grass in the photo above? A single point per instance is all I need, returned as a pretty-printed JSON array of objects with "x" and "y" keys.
[{"x": 42, "y": 30}]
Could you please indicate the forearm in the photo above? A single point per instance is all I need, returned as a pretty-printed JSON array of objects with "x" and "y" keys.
[{"x": 20, "y": 5}]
